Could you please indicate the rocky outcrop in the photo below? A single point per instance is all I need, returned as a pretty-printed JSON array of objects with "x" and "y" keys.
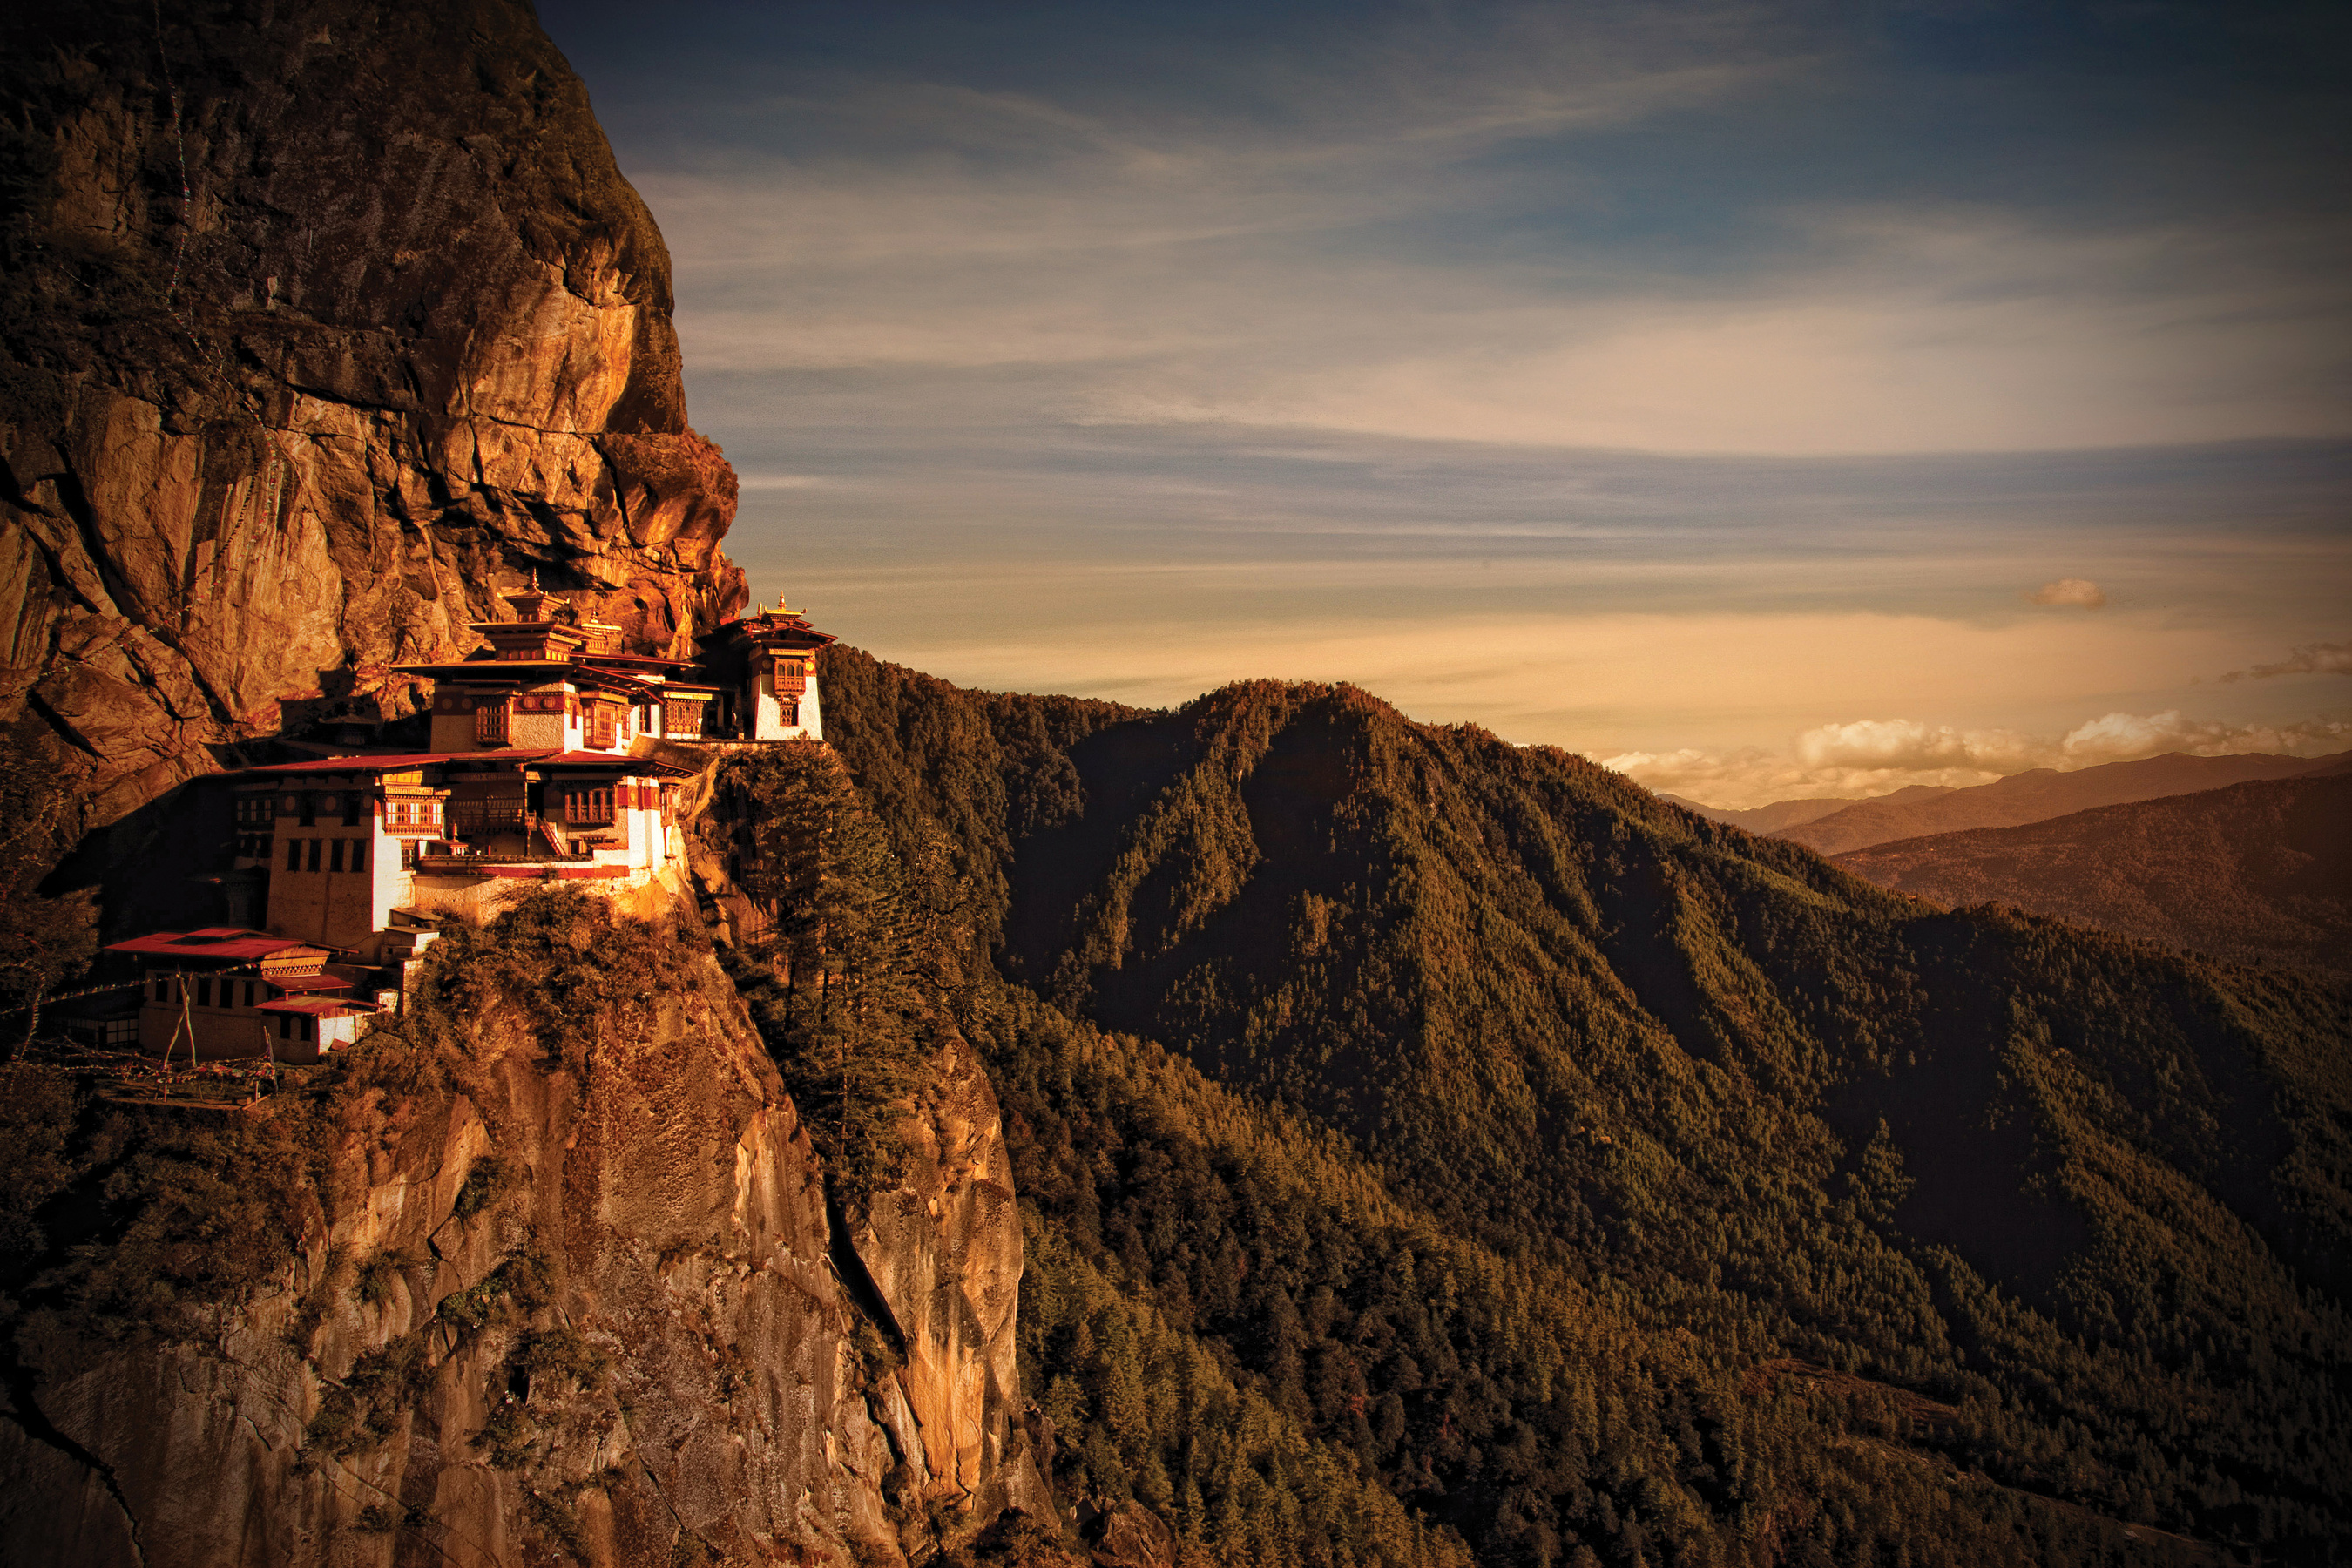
[
  {"x": 323, "y": 322},
  {"x": 578, "y": 1304},
  {"x": 400, "y": 336},
  {"x": 581, "y": 1301},
  {"x": 943, "y": 1251}
]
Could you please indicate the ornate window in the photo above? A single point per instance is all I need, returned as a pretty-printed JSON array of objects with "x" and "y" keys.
[{"x": 588, "y": 805}]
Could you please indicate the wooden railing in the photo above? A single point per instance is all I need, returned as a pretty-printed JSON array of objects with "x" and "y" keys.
[{"x": 471, "y": 818}]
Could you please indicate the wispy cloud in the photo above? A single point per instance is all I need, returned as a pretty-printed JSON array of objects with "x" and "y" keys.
[
  {"x": 1688, "y": 377},
  {"x": 2315, "y": 659},
  {"x": 2077, "y": 591}
]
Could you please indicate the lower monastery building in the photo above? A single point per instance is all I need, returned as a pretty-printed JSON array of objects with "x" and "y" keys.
[{"x": 540, "y": 768}]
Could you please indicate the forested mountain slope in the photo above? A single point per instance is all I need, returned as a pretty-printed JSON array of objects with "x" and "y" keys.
[
  {"x": 2259, "y": 873},
  {"x": 2036, "y": 796},
  {"x": 1599, "y": 1179}
]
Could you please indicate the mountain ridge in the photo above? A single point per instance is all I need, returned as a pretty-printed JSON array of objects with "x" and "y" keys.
[
  {"x": 2042, "y": 793},
  {"x": 2255, "y": 873},
  {"x": 1696, "y": 1069}
]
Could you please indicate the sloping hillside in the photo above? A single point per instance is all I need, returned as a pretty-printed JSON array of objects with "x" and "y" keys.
[
  {"x": 2038, "y": 795},
  {"x": 2258, "y": 873},
  {"x": 1505, "y": 1128},
  {"x": 1782, "y": 814}
]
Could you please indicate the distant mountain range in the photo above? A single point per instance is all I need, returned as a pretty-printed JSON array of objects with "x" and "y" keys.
[
  {"x": 1783, "y": 814},
  {"x": 2257, "y": 873},
  {"x": 1841, "y": 827}
]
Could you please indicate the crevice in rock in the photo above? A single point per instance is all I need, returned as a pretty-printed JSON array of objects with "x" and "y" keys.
[
  {"x": 170, "y": 639},
  {"x": 57, "y": 721},
  {"x": 71, "y": 496},
  {"x": 855, "y": 1278},
  {"x": 24, "y": 1411}
]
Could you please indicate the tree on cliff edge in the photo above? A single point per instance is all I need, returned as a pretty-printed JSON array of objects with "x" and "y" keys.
[{"x": 844, "y": 983}]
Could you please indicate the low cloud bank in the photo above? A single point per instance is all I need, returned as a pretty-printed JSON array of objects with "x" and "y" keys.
[{"x": 1877, "y": 756}]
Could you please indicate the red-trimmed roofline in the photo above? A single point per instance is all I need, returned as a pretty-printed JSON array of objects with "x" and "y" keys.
[{"x": 379, "y": 765}]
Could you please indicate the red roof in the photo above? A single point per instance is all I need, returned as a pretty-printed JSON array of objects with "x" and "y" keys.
[
  {"x": 789, "y": 626},
  {"x": 300, "y": 983},
  {"x": 228, "y": 944},
  {"x": 393, "y": 765},
  {"x": 335, "y": 1009}
]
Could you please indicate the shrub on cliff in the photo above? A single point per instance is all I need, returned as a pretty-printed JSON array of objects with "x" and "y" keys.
[{"x": 560, "y": 964}]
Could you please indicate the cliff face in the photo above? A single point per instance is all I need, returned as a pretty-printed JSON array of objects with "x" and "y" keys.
[
  {"x": 569, "y": 1290},
  {"x": 943, "y": 1251},
  {"x": 292, "y": 380},
  {"x": 322, "y": 322}
]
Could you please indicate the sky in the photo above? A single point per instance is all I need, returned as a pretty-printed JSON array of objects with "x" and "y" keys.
[{"x": 1765, "y": 399}]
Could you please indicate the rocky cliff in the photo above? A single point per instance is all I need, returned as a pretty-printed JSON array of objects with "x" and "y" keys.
[
  {"x": 321, "y": 321},
  {"x": 559, "y": 1282}
]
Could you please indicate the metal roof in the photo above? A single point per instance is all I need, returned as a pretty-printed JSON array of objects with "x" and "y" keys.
[
  {"x": 611, "y": 759},
  {"x": 226, "y": 945},
  {"x": 298, "y": 982},
  {"x": 382, "y": 764}
]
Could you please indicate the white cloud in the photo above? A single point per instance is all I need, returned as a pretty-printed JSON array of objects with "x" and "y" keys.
[
  {"x": 757, "y": 481},
  {"x": 1872, "y": 757},
  {"x": 2121, "y": 737},
  {"x": 1753, "y": 777},
  {"x": 2068, "y": 591},
  {"x": 1908, "y": 746}
]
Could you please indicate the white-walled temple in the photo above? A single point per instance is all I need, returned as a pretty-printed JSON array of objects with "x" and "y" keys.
[{"x": 540, "y": 767}]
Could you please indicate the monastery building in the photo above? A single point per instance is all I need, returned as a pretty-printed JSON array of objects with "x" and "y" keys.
[{"x": 540, "y": 767}]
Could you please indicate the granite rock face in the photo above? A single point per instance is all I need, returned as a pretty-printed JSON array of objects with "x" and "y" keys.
[
  {"x": 400, "y": 335},
  {"x": 943, "y": 1250},
  {"x": 631, "y": 1348}
]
